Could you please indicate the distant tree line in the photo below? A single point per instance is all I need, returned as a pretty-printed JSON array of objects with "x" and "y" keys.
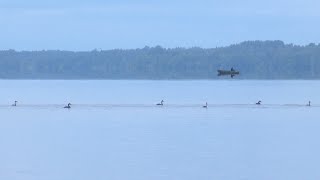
[{"x": 254, "y": 60}]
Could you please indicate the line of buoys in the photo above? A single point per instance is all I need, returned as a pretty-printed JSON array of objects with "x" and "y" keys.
[
  {"x": 259, "y": 103},
  {"x": 162, "y": 101},
  {"x": 68, "y": 106}
]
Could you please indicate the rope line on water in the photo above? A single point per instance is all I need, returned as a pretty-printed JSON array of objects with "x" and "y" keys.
[{"x": 157, "y": 106}]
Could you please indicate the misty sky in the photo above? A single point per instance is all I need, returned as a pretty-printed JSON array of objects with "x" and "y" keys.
[{"x": 102, "y": 24}]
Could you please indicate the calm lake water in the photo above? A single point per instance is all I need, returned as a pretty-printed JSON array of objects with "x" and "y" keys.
[{"x": 114, "y": 130}]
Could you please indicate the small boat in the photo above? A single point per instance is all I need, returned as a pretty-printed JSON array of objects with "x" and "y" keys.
[{"x": 231, "y": 72}]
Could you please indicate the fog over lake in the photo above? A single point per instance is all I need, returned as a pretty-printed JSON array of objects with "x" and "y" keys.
[{"x": 114, "y": 130}]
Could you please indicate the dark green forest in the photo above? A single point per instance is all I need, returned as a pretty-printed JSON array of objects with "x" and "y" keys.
[{"x": 254, "y": 60}]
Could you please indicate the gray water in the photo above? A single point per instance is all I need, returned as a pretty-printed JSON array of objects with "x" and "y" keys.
[{"x": 114, "y": 130}]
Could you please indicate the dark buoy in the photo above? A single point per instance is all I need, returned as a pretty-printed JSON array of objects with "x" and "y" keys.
[
  {"x": 68, "y": 106},
  {"x": 205, "y": 106},
  {"x": 160, "y": 104},
  {"x": 15, "y": 103},
  {"x": 309, "y": 103}
]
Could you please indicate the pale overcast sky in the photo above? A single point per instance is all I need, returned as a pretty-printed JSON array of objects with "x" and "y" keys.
[{"x": 86, "y": 25}]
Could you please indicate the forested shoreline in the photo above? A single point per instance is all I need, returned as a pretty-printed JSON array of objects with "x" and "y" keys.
[{"x": 254, "y": 60}]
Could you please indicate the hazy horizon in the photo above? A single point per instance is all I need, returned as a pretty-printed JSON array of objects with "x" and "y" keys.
[{"x": 83, "y": 25}]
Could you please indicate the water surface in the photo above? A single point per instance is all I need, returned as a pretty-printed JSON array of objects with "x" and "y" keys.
[{"x": 114, "y": 130}]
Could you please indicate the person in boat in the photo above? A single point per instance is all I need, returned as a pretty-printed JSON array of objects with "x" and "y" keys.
[
  {"x": 232, "y": 69},
  {"x": 161, "y": 103},
  {"x": 68, "y": 106},
  {"x": 258, "y": 103}
]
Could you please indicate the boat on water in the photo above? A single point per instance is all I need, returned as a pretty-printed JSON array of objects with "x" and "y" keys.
[{"x": 231, "y": 72}]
